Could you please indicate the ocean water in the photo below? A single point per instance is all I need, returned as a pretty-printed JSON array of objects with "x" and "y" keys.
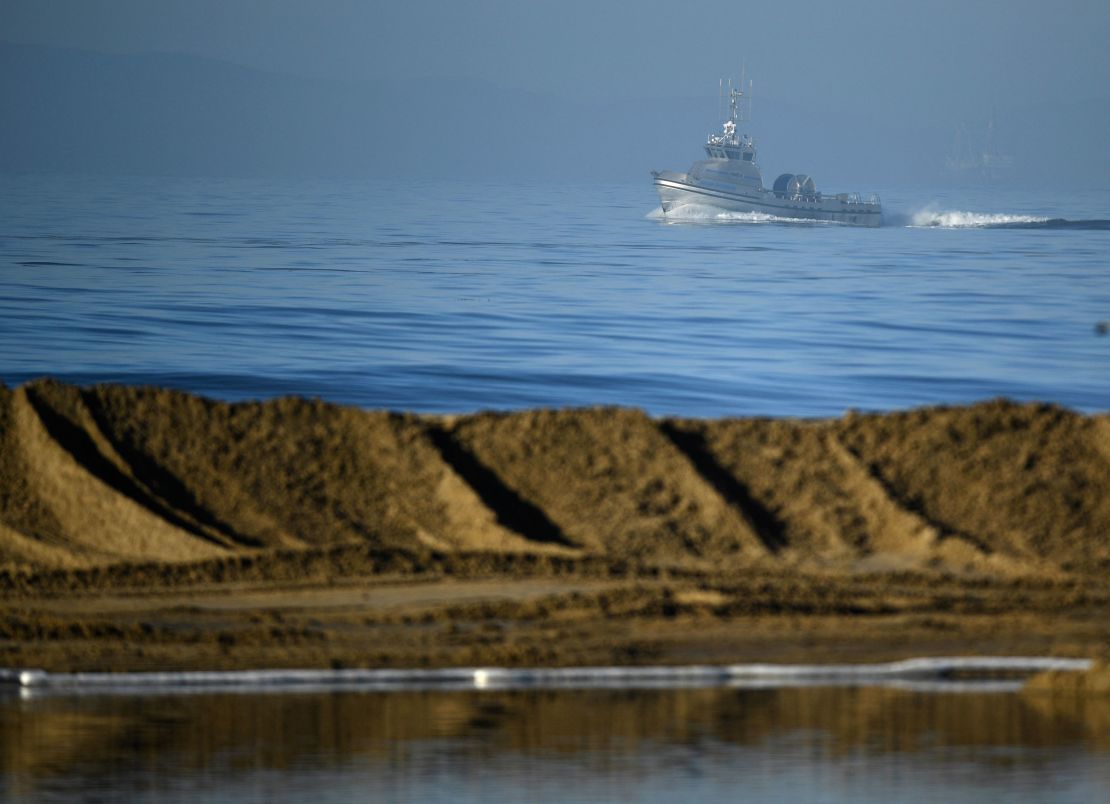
[
  {"x": 445, "y": 296},
  {"x": 858, "y": 745},
  {"x": 449, "y": 296}
]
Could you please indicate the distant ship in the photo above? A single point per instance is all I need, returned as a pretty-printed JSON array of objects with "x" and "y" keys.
[
  {"x": 976, "y": 159},
  {"x": 731, "y": 180}
]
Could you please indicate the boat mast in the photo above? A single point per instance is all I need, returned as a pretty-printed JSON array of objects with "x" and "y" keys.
[
  {"x": 723, "y": 145},
  {"x": 743, "y": 75}
]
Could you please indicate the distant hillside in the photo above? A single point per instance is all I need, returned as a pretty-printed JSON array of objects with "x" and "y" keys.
[
  {"x": 74, "y": 111},
  {"x": 161, "y": 114}
]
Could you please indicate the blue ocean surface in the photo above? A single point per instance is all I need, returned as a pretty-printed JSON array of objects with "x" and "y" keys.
[{"x": 449, "y": 296}]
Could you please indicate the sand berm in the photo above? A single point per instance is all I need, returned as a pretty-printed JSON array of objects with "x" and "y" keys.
[{"x": 143, "y": 528}]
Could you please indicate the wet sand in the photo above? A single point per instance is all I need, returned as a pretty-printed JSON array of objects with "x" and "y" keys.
[{"x": 150, "y": 529}]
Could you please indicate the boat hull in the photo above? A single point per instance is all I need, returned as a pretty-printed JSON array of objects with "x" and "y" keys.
[{"x": 676, "y": 190}]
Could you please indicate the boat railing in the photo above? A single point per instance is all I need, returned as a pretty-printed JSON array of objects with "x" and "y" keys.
[{"x": 855, "y": 198}]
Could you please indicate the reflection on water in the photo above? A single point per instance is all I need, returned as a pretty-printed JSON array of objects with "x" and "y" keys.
[{"x": 842, "y": 744}]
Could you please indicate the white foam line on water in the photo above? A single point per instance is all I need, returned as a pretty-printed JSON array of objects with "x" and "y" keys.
[
  {"x": 960, "y": 219},
  {"x": 938, "y": 686},
  {"x": 699, "y": 213},
  {"x": 928, "y": 673}
]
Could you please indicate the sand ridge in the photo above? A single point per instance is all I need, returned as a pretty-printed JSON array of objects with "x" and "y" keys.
[
  {"x": 109, "y": 474},
  {"x": 147, "y": 529}
]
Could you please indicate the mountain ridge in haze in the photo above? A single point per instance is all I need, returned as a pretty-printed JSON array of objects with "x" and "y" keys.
[{"x": 75, "y": 111}]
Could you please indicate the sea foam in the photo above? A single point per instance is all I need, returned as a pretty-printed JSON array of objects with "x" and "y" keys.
[
  {"x": 925, "y": 674},
  {"x": 701, "y": 213},
  {"x": 958, "y": 219}
]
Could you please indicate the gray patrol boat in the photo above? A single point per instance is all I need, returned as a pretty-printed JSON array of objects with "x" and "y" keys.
[{"x": 731, "y": 180}]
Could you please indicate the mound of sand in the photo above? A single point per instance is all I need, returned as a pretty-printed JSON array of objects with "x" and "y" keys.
[{"x": 110, "y": 474}]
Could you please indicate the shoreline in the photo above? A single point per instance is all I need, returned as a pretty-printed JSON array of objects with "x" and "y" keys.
[
  {"x": 988, "y": 673},
  {"x": 151, "y": 530},
  {"x": 551, "y": 618}
]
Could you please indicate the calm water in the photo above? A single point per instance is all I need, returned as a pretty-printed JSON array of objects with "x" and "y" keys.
[
  {"x": 455, "y": 297},
  {"x": 451, "y": 297},
  {"x": 820, "y": 745}
]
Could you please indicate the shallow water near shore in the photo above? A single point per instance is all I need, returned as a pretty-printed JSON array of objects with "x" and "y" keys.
[
  {"x": 816, "y": 744},
  {"x": 453, "y": 297}
]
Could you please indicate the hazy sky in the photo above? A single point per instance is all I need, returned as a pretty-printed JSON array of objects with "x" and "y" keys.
[{"x": 928, "y": 55}]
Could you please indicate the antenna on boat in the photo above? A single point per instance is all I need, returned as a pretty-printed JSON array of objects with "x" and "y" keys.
[
  {"x": 744, "y": 95},
  {"x": 720, "y": 98}
]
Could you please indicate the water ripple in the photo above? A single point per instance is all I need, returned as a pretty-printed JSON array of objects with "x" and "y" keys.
[{"x": 396, "y": 297}]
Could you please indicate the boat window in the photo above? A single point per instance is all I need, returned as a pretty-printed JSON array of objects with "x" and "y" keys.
[{"x": 748, "y": 157}]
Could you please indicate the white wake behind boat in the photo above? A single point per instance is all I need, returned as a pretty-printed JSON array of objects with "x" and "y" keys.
[{"x": 731, "y": 180}]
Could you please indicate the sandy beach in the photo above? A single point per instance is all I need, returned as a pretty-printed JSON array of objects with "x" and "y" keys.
[{"x": 146, "y": 529}]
